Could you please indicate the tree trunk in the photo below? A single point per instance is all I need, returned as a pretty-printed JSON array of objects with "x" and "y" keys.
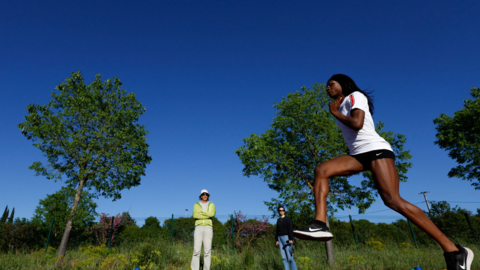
[
  {"x": 329, "y": 249},
  {"x": 66, "y": 235}
]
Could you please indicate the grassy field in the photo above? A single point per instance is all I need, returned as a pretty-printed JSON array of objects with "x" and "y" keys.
[{"x": 308, "y": 255}]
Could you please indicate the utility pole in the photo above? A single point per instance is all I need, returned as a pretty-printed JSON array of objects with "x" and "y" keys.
[
  {"x": 426, "y": 200},
  {"x": 186, "y": 212}
]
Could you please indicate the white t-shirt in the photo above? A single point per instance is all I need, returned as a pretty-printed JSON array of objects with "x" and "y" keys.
[
  {"x": 366, "y": 139},
  {"x": 204, "y": 206}
]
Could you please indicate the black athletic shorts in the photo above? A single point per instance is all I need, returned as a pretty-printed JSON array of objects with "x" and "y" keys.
[{"x": 367, "y": 158}]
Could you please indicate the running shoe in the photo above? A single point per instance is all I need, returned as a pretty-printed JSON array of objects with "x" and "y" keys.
[
  {"x": 314, "y": 232},
  {"x": 459, "y": 260}
]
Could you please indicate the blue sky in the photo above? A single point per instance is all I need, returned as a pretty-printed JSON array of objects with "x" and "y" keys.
[{"x": 209, "y": 72}]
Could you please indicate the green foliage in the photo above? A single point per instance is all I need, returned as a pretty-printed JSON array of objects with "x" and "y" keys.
[
  {"x": 460, "y": 136},
  {"x": 134, "y": 234},
  {"x": 58, "y": 205},
  {"x": 146, "y": 257},
  {"x": 107, "y": 229},
  {"x": 183, "y": 229},
  {"x": 220, "y": 236},
  {"x": 452, "y": 221},
  {"x": 4, "y": 217},
  {"x": 21, "y": 235},
  {"x": 304, "y": 134},
  {"x": 100, "y": 257},
  {"x": 439, "y": 208},
  {"x": 90, "y": 133},
  {"x": 127, "y": 220},
  {"x": 392, "y": 247},
  {"x": 308, "y": 255},
  {"x": 305, "y": 263},
  {"x": 248, "y": 232},
  {"x": 151, "y": 222},
  {"x": 12, "y": 214}
]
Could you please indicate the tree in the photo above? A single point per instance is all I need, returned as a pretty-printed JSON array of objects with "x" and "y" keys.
[
  {"x": 12, "y": 214},
  {"x": 4, "y": 217},
  {"x": 304, "y": 134},
  {"x": 151, "y": 222},
  {"x": 58, "y": 205},
  {"x": 451, "y": 221},
  {"x": 127, "y": 220},
  {"x": 90, "y": 135},
  {"x": 438, "y": 209},
  {"x": 460, "y": 136}
]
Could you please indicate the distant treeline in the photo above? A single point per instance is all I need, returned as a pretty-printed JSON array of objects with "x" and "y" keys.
[{"x": 23, "y": 235}]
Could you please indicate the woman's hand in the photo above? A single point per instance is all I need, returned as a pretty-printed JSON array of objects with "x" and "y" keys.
[
  {"x": 335, "y": 105},
  {"x": 276, "y": 243},
  {"x": 290, "y": 241},
  {"x": 355, "y": 121}
]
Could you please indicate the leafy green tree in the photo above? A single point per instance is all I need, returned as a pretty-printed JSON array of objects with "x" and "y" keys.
[
  {"x": 12, "y": 214},
  {"x": 58, "y": 205},
  {"x": 304, "y": 134},
  {"x": 460, "y": 136},
  {"x": 151, "y": 222},
  {"x": 127, "y": 220},
  {"x": 4, "y": 217},
  {"x": 90, "y": 135},
  {"x": 439, "y": 208},
  {"x": 451, "y": 221}
]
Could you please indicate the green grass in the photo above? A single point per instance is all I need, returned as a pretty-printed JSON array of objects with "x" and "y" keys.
[{"x": 158, "y": 254}]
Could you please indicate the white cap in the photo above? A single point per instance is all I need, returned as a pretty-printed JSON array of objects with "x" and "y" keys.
[{"x": 204, "y": 191}]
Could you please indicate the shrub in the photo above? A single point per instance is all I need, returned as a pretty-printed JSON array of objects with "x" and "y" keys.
[
  {"x": 134, "y": 234},
  {"x": 305, "y": 263},
  {"x": 248, "y": 231},
  {"x": 376, "y": 244},
  {"x": 21, "y": 236},
  {"x": 102, "y": 230},
  {"x": 183, "y": 229}
]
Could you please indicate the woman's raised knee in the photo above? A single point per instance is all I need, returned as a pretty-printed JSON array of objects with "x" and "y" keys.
[{"x": 321, "y": 171}]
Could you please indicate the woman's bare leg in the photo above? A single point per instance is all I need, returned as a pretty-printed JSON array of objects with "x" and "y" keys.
[
  {"x": 340, "y": 166},
  {"x": 386, "y": 177}
]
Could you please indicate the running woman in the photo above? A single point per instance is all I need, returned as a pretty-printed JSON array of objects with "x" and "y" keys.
[{"x": 353, "y": 109}]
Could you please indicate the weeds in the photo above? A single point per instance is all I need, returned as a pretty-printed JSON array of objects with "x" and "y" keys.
[{"x": 160, "y": 254}]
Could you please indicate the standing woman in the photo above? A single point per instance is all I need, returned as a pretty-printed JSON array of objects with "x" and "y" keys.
[
  {"x": 203, "y": 212},
  {"x": 284, "y": 238},
  {"x": 353, "y": 109}
]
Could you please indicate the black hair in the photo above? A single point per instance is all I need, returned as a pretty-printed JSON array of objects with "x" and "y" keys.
[
  {"x": 281, "y": 206},
  {"x": 200, "y": 197},
  {"x": 349, "y": 86}
]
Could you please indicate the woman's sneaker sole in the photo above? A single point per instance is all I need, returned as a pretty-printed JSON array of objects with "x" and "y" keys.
[{"x": 313, "y": 236}]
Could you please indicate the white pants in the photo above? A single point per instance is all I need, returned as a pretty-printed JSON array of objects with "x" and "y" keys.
[{"x": 203, "y": 234}]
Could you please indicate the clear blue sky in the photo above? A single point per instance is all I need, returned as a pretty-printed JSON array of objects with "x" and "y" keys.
[{"x": 208, "y": 73}]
